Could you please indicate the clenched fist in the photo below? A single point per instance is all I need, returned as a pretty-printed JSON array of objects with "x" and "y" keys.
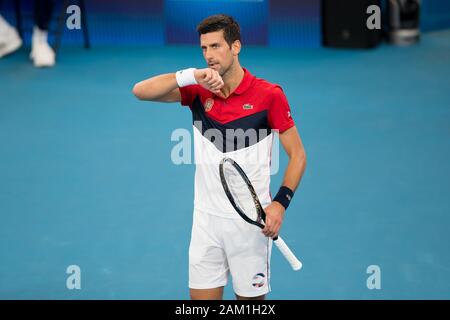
[{"x": 209, "y": 79}]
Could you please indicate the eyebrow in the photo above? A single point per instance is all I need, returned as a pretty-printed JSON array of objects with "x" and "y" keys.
[{"x": 212, "y": 44}]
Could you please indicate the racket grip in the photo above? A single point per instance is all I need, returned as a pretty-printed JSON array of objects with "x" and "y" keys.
[{"x": 290, "y": 257}]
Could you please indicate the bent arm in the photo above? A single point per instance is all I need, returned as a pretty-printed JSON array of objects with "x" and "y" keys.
[
  {"x": 293, "y": 146},
  {"x": 162, "y": 88}
]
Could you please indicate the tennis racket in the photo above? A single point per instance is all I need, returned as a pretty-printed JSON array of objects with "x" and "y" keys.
[{"x": 244, "y": 199}]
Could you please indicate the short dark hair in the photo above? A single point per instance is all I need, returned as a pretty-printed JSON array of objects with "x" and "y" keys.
[{"x": 230, "y": 27}]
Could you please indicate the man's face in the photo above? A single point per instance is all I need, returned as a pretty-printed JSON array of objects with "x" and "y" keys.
[{"x": 216, "y": 51}]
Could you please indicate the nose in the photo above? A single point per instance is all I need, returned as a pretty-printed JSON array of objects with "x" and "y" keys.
[{"x": 208, "y": 55}]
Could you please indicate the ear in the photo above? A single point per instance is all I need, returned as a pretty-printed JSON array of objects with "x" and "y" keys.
[{"x": 236, "y": 47}]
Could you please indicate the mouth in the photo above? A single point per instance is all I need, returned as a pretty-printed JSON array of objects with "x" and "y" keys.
[{"x": 213, "y": 65}]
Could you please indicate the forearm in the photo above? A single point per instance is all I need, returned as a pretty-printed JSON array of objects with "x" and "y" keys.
[
  {"x": 294, "y": 171},
  {"x": 275, "y": 211},
  {"x": 155, "y": 87}
]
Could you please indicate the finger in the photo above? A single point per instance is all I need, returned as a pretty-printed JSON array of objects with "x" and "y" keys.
[
  {"x": 216, "y": 87},
  {"x": 272, "y": 230},
  {"x": 220, "y": 94},
  {"x": 217, "y": 76},
  {"x": 215, "y": 73},
  {"x": 276, "y": 225},
  {"x": 214, "y": 79},
  {"x": 275, "y": 232},
  {"x": 211, "y": 73},
  {"x": 275, "y": 228},
  {"x": 265, "y": 230},
  {"x": 208, "y": 76},
  {"x": 268, "y": 228},
  {"x": 214, "y": 84}
]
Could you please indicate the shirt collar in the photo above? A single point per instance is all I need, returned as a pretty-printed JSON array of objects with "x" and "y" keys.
[{"x": 245, "y": 83}]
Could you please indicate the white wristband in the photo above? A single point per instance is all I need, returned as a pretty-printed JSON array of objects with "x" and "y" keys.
[{"x": 185, "y": 77}]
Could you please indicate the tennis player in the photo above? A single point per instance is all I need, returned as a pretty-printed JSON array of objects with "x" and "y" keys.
[{"x": 224, "y": 98}]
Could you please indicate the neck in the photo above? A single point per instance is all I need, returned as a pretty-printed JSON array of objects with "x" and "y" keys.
[{"x": 232, "y": 79}]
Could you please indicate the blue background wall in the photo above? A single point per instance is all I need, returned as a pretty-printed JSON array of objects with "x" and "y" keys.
[
  {"x": 182, "y": 16},
  {"x": 435, "y": 15},
  {"x": 285, "y": 23},
  {"x": 275, "y": 23}
]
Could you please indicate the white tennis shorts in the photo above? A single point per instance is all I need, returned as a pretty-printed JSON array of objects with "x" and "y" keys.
[{"x": 221, "y": 247}]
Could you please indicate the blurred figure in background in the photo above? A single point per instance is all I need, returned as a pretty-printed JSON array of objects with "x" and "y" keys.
[{"x": 41, "y": 54}]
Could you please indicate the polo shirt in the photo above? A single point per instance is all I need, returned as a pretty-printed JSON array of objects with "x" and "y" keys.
[{"x": 240, "y": 127}]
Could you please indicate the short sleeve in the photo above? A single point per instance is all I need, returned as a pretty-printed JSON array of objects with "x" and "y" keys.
[
  {"x": 188, "y": 94},
  {"x": 279, "y": 111}
]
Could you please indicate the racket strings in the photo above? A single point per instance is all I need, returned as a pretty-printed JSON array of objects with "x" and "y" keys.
[{"x": 240, "y": 192}]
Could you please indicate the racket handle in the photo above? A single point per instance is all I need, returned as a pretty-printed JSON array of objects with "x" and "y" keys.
[{"x": 290, "y": 257}]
